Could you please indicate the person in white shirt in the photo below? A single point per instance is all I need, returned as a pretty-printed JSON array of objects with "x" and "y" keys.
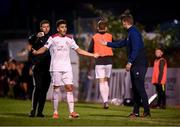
[{"x": 59, "y": 46}]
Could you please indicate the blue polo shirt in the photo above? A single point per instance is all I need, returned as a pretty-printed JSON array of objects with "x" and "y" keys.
[{"x": 134, "y": 44}]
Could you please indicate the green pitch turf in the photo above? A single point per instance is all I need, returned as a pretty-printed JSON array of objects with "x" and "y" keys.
[{"x": 15, "y": 112}]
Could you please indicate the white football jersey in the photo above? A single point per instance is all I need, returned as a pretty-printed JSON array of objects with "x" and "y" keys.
[{"x": 59, "y": 48}]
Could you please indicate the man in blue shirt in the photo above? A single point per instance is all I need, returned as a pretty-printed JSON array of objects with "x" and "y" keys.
[{"x": 137, "y": 63}]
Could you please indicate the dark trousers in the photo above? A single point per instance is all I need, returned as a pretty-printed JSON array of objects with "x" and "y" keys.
[
  {"x": 161, "y": 95},
  {"x": 41, "y": 81},
  {"x": 139, "y": 93}
]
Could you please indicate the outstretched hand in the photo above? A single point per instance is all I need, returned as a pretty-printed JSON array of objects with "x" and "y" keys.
[
  {"x": 102, "y": 41},
  {"x": 96, "y": 55}
]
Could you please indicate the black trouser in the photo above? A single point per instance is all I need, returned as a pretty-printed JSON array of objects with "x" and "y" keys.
[
  {"x": 41, "y": 81},
  {"x": 161, "y": 95},
  {"x": 139, "y": 93}
]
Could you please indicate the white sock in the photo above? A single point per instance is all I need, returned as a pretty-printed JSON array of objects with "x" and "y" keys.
[
  {"x": 55, "y": 100},
  {"x": 70, "y": 101},
  {"x": 107, "y": 90},
  {"x": 103, "y": 91}
]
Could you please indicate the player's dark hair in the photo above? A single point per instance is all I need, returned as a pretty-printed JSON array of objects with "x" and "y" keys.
[{"x": 61, "y": 21}]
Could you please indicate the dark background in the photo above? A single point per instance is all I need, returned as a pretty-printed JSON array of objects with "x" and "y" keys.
[{"x": 21, "y": 17}]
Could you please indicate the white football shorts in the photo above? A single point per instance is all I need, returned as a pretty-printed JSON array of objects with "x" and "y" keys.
[
  {"x": 59, "y": 78},
  {"x": 103, "y": 71}
]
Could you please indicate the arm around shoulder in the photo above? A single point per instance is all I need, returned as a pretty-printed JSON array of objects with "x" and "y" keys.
[{"x": 39, "y": 51}]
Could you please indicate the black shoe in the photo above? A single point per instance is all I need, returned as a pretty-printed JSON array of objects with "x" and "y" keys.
[
  {"x": 133, "y": 115},
  {"x": 146, "y": 115},
  {"x": 40, "y": 115},
  {"x": 106, "y": 105},
  {"x": 32, "y": 113}
]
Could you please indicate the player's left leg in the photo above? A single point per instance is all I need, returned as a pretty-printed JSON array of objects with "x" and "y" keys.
[
  {"x": 68, "y": 81},
  {"x": 103, "y": 86},
  {"x": 70, "y": 101},
  {"x": 108, "y": 69}
]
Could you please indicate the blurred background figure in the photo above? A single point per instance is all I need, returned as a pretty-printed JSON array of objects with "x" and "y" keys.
[
  {"x": 159, "y": 77},
  {"x": 103, "y": 65}
]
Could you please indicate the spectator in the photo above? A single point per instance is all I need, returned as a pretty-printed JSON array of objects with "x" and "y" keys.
[{"x": 159, "y": 77}]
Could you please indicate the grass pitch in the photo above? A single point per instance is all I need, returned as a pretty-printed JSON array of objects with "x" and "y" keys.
[{"x": 15, "y": 113}]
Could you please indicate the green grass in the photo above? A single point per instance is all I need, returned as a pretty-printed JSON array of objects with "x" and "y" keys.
[{"x": 15, "y": 112}]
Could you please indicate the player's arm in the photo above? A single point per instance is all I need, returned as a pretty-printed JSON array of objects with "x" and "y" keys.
[
  {"x": 114, "y": 44},
  {"x": 44, "y": 48},
  {"x": 85, "y": 53},
  {"x": 39, "y": 51},
  {"x": 80, "y": 51}
]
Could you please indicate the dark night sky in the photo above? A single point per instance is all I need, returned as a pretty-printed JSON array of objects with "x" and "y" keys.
[{"x": 21, "y": 14}]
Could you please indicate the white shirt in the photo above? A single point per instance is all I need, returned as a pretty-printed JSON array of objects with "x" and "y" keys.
[{"x": 59, "y": 48}]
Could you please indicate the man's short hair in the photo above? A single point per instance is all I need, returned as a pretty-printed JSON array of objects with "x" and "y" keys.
[
  {"x": 44, "y": 22},
  {"x": 102, "y": 25},
  {"x": 61, "y": 21},
  {"x": 126, "y": 16}
]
